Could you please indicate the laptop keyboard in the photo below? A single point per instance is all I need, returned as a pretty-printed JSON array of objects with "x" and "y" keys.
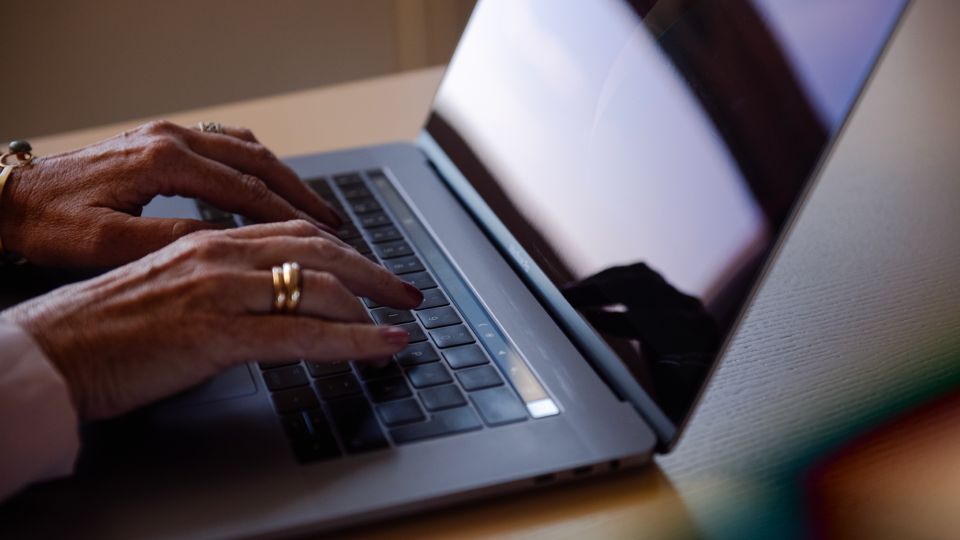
[{"x": 443, "y": 383}]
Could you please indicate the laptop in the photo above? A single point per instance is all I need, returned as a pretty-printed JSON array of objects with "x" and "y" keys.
[{"x": 588, "y": 210}]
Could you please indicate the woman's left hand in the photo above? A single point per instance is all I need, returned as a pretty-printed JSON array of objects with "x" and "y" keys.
[{"x": 83, "y": 208}]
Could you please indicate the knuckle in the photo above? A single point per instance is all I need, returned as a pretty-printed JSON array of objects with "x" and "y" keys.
[
  {"x": 325, "y": 248},
  {"x": 359, "y": 340},
  {"x": 263, "y": 154},
  {"x": 384, "y": 279},
  {"x": 302, "y": 227},
  {"x": 256, "y": 189},
  {"x": 159, "y": 148},
  {"x": 213, "y": 247},
  {"x": 245, "y": 133},
  {"x": 159, "y": 127}
]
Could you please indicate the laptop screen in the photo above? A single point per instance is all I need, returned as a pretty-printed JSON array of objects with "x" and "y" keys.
[{"x": 646, "y": 154}]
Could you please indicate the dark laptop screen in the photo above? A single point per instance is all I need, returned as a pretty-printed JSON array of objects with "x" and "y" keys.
[{"x": 646, "y": 154}]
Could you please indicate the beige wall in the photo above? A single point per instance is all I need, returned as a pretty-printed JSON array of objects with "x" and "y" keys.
[{"x": 78, "y": 64}]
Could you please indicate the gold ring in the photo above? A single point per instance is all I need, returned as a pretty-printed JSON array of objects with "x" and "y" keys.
[
  {"x": 211, "y": 127},
  {"x": 293, "y": 280},
  {"x": 279, "y": 290}
]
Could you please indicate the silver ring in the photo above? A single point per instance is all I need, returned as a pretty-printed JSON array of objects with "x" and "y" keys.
[{"x": 211, "y": 127}]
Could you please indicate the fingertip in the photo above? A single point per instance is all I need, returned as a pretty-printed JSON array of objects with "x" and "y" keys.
[
  {"x": 394, "y": 336},
  {"x": 415, "y": 294}
]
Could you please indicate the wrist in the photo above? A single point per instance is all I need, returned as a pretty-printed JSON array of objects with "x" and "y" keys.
[
  {"x": 13, "y": 166},
  {"x": 34, "y": 317}
]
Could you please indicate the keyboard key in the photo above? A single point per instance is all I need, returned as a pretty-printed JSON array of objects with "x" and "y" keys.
[
  {"x": 349, "y": 232},
  {"x": 432, "y": 298},
  {"x": 392, "y": 316},
  {"x": 392, "y": 250},
  {"x": 272, "y": 365},
  {"x": 356, "y": 424},
  {"x": 368, "y": 372},
  {"x": 385, "y": 234},
  {"x": 322, "y": 369},
  {"x": 388, "y": 389},
  {"x": 462, "y": 357},
  {"x": 378, "y": 219},
  {"x": 421, "y": 280},
  {"x": 355, "y": 191},
  {"x": 344, "y": 180},
  {"x": 365, "y": 205},
  {"x": 209, "y": 213},
  {"x": 373, "y": 258},
  {"x": 429, "y": 375},
  {"x": 338, "y": 386},
  {"x": 451, "y": 336},
  {"x": 442, "y": 397},
  {"x": 370, "y": 303},
  {"x": 295, "y": 425},
  {"x": 285, "y": 377},
  {"x": 416, "y": 333},
  {"x": 404, "y": 265},
  {"x": 334, "y": 203},
  {"x": 416, "y": 354},
  {"x": 499, "y": 406},
  {"x": 316, "y": 448},
  {"x": 298, "y": 399},
  {"x": 437, "y": 317},
  {"x": 225, "y": 224},
  {"x": 400, "y": 412},
  {"x": 442, "y": 423},
  {"x": 320, "y": 186},
  {"x": 479, "y": 378},
  {"x": 360, "y": 245}
]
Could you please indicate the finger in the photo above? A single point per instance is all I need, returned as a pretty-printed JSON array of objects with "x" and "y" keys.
[
  {"x": 355, "y": 271},
  {"x": 297, "y": 227},
  {"x": 322, "y": 295},
  {"x": 230, "y": 190},
  {"x": 256, "y": 160},
  {"x": 135, "y": 237},
  {"x": 284, "y": 337}
]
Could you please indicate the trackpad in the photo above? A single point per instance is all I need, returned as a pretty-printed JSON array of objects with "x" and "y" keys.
[{"x": 233, "y": 383}]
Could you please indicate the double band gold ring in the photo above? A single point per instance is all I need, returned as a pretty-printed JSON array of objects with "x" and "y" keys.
[{"x": 287, "y": 285}]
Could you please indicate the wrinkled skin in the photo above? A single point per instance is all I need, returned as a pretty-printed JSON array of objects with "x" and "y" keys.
[
  {"x": 203, "y": 304},
  {"x": 82, "y": 208},
  {"x": 190, "y": 302}
]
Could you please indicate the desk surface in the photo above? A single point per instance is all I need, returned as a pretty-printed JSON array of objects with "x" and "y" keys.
[{"x": 858, "y": 320}]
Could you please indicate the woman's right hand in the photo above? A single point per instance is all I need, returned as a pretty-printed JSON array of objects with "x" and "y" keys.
[{"x": 203, "y": 304}]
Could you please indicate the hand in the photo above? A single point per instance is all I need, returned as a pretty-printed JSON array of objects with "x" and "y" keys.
[
  {"x": 82, "y": 208},
  {"x": 170, "y": 320}
]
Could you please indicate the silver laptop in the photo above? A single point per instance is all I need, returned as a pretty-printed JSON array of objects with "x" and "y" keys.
[{"x": 591, "y": 204}]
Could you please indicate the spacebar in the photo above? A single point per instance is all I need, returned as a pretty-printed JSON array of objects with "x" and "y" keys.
[{"x": 442, "y": 423}]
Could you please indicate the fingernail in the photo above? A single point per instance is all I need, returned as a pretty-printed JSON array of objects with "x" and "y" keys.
[
  {"x": 413, "y": 292},
  {"x": 394, "y": 335}
]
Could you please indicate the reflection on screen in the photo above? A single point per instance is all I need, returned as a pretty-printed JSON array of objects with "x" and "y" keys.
[{"x": 646, "y": 154}]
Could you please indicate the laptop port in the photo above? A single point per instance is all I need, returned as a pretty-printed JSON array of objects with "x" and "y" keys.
[
  {"x": 544, "y": 479},
  {"x": 582, "y": 471}
]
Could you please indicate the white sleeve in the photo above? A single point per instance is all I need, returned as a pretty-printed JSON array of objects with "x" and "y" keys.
[{"x": 38, "y": 425}]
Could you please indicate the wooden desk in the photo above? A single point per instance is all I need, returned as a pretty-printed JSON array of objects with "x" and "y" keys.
[{"x": 858, "y": 320}]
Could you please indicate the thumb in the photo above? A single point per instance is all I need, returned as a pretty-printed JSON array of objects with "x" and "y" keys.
[{"x": 135, "y": 237}]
